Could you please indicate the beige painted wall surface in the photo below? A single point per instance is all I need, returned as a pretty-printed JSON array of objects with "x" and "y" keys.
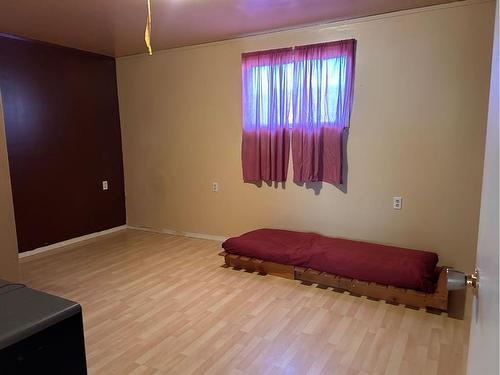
[
  {"x": 8, "y": 241},
  {"x": 417, "y": 131}
]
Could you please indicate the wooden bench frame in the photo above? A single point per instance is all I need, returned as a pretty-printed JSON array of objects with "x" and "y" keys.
[{"x": 409, "y": 297}]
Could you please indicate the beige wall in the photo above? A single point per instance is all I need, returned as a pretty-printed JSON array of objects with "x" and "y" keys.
[
  {"x": 417, "y": 131},
  {"x": 8, "y": 241}
]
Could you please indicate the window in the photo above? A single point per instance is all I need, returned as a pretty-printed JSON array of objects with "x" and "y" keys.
[
  {"x": 325, "y": 83},
  {"x": 319, "y": 89},
  {"x": 306, "y": 90},
  {"x": 264, "y": 84}
]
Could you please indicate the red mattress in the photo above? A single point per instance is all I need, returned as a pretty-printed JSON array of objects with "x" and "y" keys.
[{"x": 389, "y": 265}]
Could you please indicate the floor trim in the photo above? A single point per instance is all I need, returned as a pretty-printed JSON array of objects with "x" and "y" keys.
[
  {"x": 182, "y": 234},
  {"x": 70, "y": 241}
]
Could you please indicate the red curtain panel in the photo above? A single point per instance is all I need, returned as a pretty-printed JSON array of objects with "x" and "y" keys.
[
  {"x": 267, "y": 96},
  {"x": 322, "y": 98}
]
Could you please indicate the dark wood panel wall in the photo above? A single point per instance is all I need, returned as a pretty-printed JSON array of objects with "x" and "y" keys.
[{"x": 63, "y": 139}]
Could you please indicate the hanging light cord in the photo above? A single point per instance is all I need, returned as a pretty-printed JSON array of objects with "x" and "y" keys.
[{"x": 147, "y": 32}]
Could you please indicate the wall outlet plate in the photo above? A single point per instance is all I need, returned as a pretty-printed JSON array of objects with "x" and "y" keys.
[
  {"x": 397, "y": 203},
  {"x": 105, "y": 185}
]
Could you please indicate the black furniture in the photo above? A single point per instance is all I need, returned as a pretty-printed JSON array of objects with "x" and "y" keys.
[{"x": 39, "y": 333}]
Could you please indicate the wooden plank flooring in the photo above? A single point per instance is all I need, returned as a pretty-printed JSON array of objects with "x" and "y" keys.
[{"x": 160, "y": 304}]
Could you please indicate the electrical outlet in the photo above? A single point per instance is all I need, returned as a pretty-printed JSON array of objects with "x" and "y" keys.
[
  {"x": 215, "y": 187},
  {"x": 397, "y": 203},
  {"x": 105, "y": 185}
]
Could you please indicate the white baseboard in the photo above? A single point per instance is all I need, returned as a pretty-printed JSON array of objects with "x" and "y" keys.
[
  {"x": 70, "y": 241},
  {"x": 116, "y": 229},
  {"x": 183, "y": 234}
]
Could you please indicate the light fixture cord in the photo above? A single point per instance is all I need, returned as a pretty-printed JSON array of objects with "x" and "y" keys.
[{"x": 147, "y": 32}]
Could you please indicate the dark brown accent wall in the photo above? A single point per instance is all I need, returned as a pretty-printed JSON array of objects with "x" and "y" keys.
[{"x": 63, "y": 139}]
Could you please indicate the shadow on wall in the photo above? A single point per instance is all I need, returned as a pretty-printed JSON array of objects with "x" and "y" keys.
[
  {"x": 274, "y": 184},
  {"x": 317, "y": 186}
]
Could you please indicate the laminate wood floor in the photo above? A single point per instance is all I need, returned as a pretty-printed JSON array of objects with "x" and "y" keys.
[{"x": 161, "y": 304}]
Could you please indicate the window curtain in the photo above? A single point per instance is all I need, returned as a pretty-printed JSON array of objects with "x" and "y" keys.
[
  {"x": 267, "y": 93},
  {"x": 322, "y": 97}
]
